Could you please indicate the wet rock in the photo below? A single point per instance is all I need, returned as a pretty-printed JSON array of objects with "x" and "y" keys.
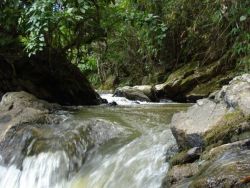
[
  {"x": 228, "y": 166},
  {"x": 30, "y": 126},
  {"x": 18, "y": 108},
  {"x": 104, "y": 101},
  {"x": 148, "y": 90},
  {"x": 112, "y": 104},
  {"x": 223, "y": 166},
  {"x": 132, "y": 93},
  {"x": 184, "y": 157},
  {"x": 18, "y": 112},
  {"x": 101, "y": 131},
  {"x": 179, "y": 173},
  {"x": 165, "y": 101}
]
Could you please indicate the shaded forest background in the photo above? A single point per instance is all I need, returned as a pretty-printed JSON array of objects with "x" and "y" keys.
[{"x": 128, "y": 42}]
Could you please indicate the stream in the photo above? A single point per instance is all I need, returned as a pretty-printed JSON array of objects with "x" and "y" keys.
[{"x": 135, "y": 159}]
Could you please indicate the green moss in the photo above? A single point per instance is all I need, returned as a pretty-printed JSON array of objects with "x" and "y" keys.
[
  {"x": 226, "y": 129},
  {"x": 179, "y": 158},
  {"x": 204, "y": 89},
  {"x": 182, "y": 73}
]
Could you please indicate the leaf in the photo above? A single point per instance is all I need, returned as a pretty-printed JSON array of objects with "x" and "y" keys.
[
  {"x": 70, "y": 10},
  {"x": 243, "y": 18},
  {"x": 82, "y": 10}
]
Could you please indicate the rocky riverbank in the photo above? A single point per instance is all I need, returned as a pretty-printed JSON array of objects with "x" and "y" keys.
[
  {"x": 188, "y": 83},
  {"x": 213, "y": 137}
]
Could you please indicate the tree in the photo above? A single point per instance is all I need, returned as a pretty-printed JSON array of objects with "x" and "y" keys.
[{"x": 60, "y": 25}]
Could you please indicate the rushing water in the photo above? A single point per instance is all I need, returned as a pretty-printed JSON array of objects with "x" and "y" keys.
[{"x": 136, "y": 159}]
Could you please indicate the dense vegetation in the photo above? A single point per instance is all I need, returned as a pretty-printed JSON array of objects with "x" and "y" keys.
[{"x": 131, "y": 41}]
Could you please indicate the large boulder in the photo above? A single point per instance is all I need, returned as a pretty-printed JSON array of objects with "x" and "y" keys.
[
  {"x": 29, "y": 126},
  {"x": 227, "y": 107},
  {"x": 19, "y": 112},
  {"x": 220, "y": 125},
  {"x": 223, "y": 166},
  {"x": 54, "y": 80},
  {"x": 137, "y": 93},
  {"x": 194, "y": 81},
  {"x": 236, "y": 94},
  {"x": 189, "y": 127}
]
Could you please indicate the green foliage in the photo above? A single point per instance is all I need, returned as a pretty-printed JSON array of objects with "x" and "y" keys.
[
  {"x": 135, "y": 37},
  {"x": 88, "y": 67},
  {"x": 145, "y": 36},
  {"x": 89, "y": 64},
  {"x": 58, "y": 25},
  {"x": 130, "y": 38},
  {"x": 63, "y": 25}
]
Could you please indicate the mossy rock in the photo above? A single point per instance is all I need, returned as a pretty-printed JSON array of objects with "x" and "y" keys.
[
  {"x": 187, "y": 156},
  {"x": 226, "y": 166},
  {"x": 227, "y": 129},
  {"x": 178, "y": 158},
  {"x": 194, "y": 81},
  {"x": 205, "y": 89},
  {"x": 179, "y": 173}
]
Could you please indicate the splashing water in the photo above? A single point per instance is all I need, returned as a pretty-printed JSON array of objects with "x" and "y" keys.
[{"x": 136, "y": 159}]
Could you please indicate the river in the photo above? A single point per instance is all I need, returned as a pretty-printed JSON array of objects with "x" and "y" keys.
[{"x": 136, "y": 159}]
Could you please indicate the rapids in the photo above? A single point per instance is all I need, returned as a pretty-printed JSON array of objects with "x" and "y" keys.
[{"x": 136, "y": 159}]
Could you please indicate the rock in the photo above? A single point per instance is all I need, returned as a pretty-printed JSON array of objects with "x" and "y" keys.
[
  {"x": 189, "y": 127},
  {"x": 148, "y": 90},
  {"x": 21, "y": 108},
  {"x": 132, "y": 93},
  {"x": 184, "y": 157},
  {"x": 104, "y": 101},
  {"x": 236, "y": 94},
  {"x": 29, "y": 126},
  {"x": 112, "y": 104},
  {"x": 165, "y": 101},
  {"x": 218, "y": 151},
  {"x": 18, "y": 112},
  {"x": 179, "y": 173},
  {"x": 220, "y": 113},
  {"x": 101, "y": 131},
  {"x": 228, "y": 166},
  {"x": 233, "y": 127},
  {"x": 221, "y": 126},
  {"x": 223, "y": 166},
  {"x": 56, "y": 80},
  {"x": 203, "y": 90},
  {"x": 193, "y": 81}
]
